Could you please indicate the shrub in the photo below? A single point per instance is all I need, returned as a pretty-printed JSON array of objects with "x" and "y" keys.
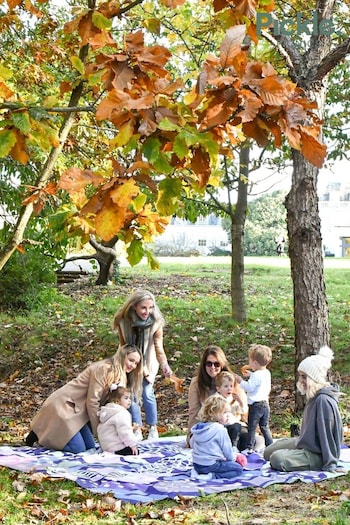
[{"x": 22, "y": 279}]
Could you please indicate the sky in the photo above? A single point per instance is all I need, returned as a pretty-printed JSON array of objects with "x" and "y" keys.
[{"x": 265, "y": 182}]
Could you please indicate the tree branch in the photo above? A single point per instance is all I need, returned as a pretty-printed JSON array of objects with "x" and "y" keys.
[
  {"x": 67, "y": 109},
  {"x": 285, "y": 46},
  {"x": 331, "y": 60},
  {"x": 101, "y": 247}
]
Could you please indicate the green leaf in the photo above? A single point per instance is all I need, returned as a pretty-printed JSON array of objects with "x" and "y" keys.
[
  {"x": 162, "y": 165},
  {"x": 169, "y": 192},
  {"x": 151, "y": 149},
  {"x": 78, "y": 64},
  {"x": 5, "y": 73},
  {"x": 44, "y": 136},
  {"x": 209, "y": 143},
  {"x": 139, "y": 202},
  {"x": 22, "y": 121},
  {"x": 152, "y": 260},
  {"x": 95, "y": 78},
  {"x": 101, "y": 22},
  {"x": 133, "y": 144},
  {"x": 125, "y": 134},
  {"x": 152, "y": 25},
  {"x": 7, "y": 141},
  {"x": 180, "y": 147},
  {"x": 135, "y": 252},
  {"x": 166, "y": 125}
]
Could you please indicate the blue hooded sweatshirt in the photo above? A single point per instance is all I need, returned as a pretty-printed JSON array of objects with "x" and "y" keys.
[{"x": 210, "y": 442}]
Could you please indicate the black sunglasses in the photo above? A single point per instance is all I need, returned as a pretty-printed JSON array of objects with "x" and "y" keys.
[{"x": 209, "y": 364}]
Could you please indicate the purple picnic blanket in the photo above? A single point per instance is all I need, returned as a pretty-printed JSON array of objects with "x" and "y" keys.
[{"x": 163, "y": 469}]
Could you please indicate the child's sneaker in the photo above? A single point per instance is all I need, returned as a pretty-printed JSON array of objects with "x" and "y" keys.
[
  {"x": 138, "y": 434},
  {"x": 153, "y": 432}
]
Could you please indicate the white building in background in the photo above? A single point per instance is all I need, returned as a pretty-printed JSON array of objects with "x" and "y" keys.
[
  {"x": 207, "y": 234},
  {"x": 334, "y": 208},
  {"x": 201, "y": 238}
]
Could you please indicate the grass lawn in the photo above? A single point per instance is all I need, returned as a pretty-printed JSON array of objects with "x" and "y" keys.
[{"x": 44, "y": 348}]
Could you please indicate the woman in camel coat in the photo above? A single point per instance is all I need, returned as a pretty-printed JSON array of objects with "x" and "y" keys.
[{"x": 68, "y": 418}]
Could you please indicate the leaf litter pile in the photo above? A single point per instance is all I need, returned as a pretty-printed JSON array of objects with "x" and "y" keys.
[{"x": 21, "y": 394}]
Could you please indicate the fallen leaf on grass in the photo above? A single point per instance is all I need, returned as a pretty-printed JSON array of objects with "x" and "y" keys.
[
  {"x": 284, "y": 393},
  {"x": 20, "y": 486}
]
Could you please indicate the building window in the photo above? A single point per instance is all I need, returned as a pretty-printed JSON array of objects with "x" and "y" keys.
[{"x": 202, "y": 242}]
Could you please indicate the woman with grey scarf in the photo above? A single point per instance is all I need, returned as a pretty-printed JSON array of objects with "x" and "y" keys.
[{"x": 140, "y": 322}]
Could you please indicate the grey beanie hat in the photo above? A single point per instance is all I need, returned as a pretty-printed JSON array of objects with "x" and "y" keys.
[{"x": 316, "y": 366}]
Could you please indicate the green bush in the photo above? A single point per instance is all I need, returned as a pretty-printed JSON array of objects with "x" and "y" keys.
[{"x": 23, "y": 278}]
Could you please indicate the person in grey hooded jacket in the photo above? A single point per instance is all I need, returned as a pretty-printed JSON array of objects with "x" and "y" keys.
[{"x": 321, "y": 435}]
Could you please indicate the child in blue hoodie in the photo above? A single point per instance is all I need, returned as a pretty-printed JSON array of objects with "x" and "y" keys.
[{"x": 212, "y": 450}]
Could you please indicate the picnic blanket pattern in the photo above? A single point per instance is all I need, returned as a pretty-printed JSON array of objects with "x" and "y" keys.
[{"x": 163, "y": 469}]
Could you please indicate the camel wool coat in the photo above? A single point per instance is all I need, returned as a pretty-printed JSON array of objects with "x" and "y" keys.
[{"x": 73, "y": 405}]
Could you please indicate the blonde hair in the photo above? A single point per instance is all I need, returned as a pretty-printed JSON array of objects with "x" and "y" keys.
[
  {"x": 311, "y": 387},
  {"x": 212, "y": 408},
  {"x": 133, "y": 379},
  {"x": 220, "y": 378},
  {"x": 260, "y": 353},
  {"x": 126, "y": 311}
]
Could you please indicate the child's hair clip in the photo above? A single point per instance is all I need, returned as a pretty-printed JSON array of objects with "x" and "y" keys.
[{"x": 113, "y": 387}]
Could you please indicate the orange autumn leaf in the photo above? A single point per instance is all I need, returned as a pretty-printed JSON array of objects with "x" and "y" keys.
[
  {"x": 312, "y": 150},
  {"x": 109, "y": 221},
  {"x": 200, "y": 164},
  {"x": 176, "y": 381},
  {"x": 172, "y": 3},
  {"x": 231, "y": 45},
  {"x": 19, "y": 149},
  {"x": 75, "y": 179},
  {"x": 123, "y": 194}
]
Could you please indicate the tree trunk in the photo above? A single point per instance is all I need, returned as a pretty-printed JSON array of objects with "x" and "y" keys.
[
  {"x": 45, "y": 175},
  {"x": 238, "y": 304},
  {"x": 309, "y": 68},
  {"x": 305, "y": 251},
  {"x": 106, "y": 258},
  {"x": 306, "y": 254}
]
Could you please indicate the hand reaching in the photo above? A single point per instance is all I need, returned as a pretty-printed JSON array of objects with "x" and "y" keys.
[
  {"x": 241, "y": 460},
  {"x": 166, "y": 370}
]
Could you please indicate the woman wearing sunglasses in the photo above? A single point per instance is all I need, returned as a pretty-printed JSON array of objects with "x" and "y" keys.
[{"x": 202, "y": 386}]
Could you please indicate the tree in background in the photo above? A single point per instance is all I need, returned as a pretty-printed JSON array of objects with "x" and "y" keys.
[
  {"x": 266, "y": 220},
  {"x": 153, "y": 134},
  {"x": 153, "y": 137},
  {"x": 309, "y": 56}
]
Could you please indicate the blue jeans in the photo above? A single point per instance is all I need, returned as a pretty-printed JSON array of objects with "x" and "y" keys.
[
  {"x": 83, "y": 440},
  {"x": 259, "y": 414},
  {"x": 149, "y": 405},
  {"x": 220, "y": 469}
]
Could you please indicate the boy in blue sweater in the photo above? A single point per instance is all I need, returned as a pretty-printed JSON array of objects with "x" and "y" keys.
[{"x": 211, "y": 445}]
